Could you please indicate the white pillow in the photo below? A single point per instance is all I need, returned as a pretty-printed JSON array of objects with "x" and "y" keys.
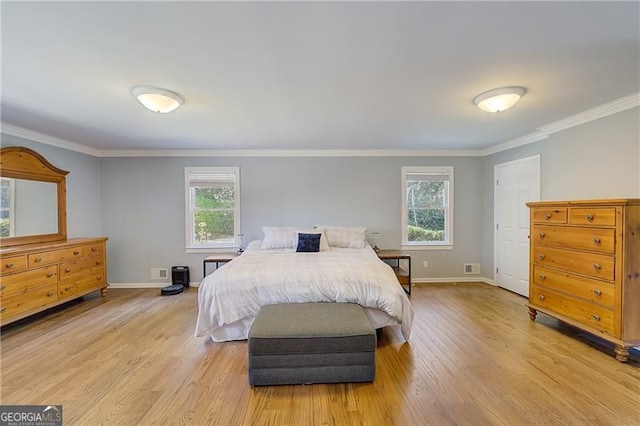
[
  {"x": 345, "y": 236},
  {"x": 324, "y": 244},
  {"x": 279, "y": 237}
]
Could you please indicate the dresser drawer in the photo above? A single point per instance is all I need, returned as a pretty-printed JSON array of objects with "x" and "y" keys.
[
  {"x": 593, "y": 216},
  {"x": 549, "y": 215},
  {"x": 93, "y": 249},
  {"x": 13, "y": 264},
  {"x": 586, "y": 288},
  {"x": 591, "y": 264},
  {"x": 599, "y": 240},
  {"x": 25, "y": 302},
  {"x": 81, "y": 266},
  {"x": 54, "y": 256},
  {"x": 587, "y": 313},
  {"x": 28, "y": 280},
  {"x": 82, "y": 285}
]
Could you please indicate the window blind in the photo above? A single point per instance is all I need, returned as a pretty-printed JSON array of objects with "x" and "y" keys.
[
  {"x": 429, "y": 177},
  {"x": 211, "y": 180}
]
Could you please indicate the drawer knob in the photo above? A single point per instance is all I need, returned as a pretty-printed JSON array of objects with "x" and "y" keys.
[
  {"x": 2, "y": 309},
  {"x": 547, "y": 216},
  {"x": 542, "y": 235},
  {"x": 38, "y": 259},
  {"x": 67, "y": 270},
  {"x": 75, "y": 253},
  {"x": 99, "y": 278},
  {"x": 588, "y": 216},
  {"x": 596, "y": 266},
  {"x": 2, "y": 287},
  {"x": 597, "y": 291},
  {"x": 596, "y": 240},
  {"x": 51, "y": 293},
  {"x": 99, "y": 262},
  {"x": 50, "y": 274},
  {"x": 93, "y": 249},
  {"x": 595, "y": 317},
  {"x": 541, "y": 297},
  {"x": 543, "y": 277},
  {"x": 9, "y": 265},
  {"x": 67, "y": 288},
  {"x": 541, "y": 256}
]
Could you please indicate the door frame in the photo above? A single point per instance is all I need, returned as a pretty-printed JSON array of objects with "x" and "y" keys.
[{"x": 536, "y": 157}]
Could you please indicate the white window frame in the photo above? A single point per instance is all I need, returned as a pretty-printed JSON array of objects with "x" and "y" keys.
[
  {"x": 447, "y": 244},
  {"x": 191, "y": 245}
]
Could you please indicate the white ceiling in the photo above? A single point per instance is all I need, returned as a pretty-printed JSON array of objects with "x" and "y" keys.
[{"x": 310, "y": 75}]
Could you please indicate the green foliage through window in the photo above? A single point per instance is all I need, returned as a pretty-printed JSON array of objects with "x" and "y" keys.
[
  {"x": 214, "y": 214},
  {"x": 213, "y": 207},
  {"x": 426, "y": 210}
]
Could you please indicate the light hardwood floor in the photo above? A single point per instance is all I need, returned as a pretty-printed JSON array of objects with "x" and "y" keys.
[{"x": 474, "y": 358}]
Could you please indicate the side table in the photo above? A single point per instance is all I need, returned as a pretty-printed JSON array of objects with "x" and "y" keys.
[
  {"x": 403, "y": 275},
  {"x": 218, "y": 258}
]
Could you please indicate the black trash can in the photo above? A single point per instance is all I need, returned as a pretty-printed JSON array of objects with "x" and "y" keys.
[{"x": 180, "y": 275}]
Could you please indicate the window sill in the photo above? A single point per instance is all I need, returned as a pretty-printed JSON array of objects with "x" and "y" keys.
[
  {"x": 428, "y": 247},
  {"x": 210, "y": 249}
]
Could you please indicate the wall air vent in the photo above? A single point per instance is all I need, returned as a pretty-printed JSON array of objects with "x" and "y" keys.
[
  {"x": 471, "y": 268},
  {"x": 159, "y": 273}
]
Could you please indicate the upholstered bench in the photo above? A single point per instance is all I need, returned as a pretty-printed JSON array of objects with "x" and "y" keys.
[{"x": 311, "y": 343}]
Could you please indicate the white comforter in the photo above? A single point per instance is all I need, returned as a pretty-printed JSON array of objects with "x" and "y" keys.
[{"x": 229, "y": 299}]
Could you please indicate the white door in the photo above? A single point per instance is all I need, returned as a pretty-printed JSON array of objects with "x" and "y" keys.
[{"x": 516, "y": 182}]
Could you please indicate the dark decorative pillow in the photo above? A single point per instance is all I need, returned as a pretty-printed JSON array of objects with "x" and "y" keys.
[{"x": 308, "y": 242}]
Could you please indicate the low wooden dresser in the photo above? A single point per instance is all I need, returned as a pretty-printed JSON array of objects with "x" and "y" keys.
[
  {"x": 585, "y": 267},
  {"x": 35, "y": 277}
]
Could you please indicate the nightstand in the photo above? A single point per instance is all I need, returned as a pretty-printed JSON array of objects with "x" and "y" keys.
[
  {"x": 218, "y": 258},
  {"x": 404, "y": 275}
]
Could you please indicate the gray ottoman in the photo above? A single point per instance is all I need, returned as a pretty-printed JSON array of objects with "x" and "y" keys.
[{"x": 311, "y": 343}]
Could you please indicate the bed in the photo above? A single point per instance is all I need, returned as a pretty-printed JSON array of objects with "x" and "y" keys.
[{"x": 229, "y": 299}]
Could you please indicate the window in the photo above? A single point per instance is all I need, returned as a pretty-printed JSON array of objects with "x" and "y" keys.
[
  {"x": 212, "y": 207},
  {"x": 427, "y": 207}
]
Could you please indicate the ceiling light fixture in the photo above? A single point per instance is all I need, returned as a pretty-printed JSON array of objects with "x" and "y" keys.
[
  {"x": 498, "y": 100},
  {"x": 157, "y": 100}
]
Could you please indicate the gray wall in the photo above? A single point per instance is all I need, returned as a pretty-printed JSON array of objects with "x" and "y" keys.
[
  {"x": 139, "y": 202},
  {"x": 599, "y": 159},
  {"x": 144, "y": 213},
  {"x": 83, "y": 184}
]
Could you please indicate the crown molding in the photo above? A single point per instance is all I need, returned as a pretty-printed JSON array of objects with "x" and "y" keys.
[
  {"x": 614, "y": 107},
  {"x": 541, "y": 133},
  {"x": 19, "y": 132},
  {"x": 514, "y": 143},
  {"x": 289, "y": 153}
]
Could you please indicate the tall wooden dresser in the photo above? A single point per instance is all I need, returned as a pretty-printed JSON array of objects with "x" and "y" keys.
[
  {"x": 585, "y": 267},
  {"x": 39, "y": 267}
]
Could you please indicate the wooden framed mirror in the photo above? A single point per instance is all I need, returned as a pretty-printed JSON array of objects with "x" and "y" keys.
[{"x": 34, "y": 198}]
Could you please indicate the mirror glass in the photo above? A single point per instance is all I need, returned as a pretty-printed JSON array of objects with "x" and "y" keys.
[{"x": 28, "y": 207}]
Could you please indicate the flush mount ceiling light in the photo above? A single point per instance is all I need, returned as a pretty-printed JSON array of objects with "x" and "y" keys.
[
  {"x": 157, "y": 100},
  {"x": 498, "y": 100}
]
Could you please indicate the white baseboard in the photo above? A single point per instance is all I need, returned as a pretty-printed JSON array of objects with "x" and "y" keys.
[
  {"x": 147, "y": 285},
  {"x": 443, "y": 280},
  {"x": 448, "y": 280}
]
